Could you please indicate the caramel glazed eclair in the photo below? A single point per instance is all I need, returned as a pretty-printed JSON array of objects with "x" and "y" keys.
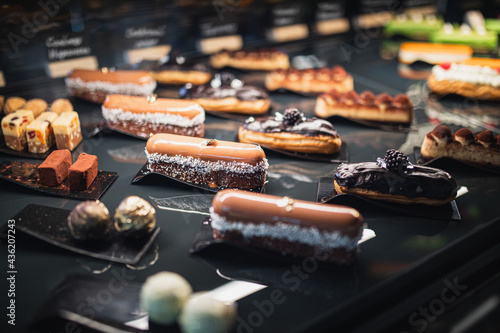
[
  {"x": 395, "y": 179},
  {"x": 292, "y": 131},
  {"x": 143, "y": 116},
  {"x": 95, "y": 85},
  {"x": 281, "y": 224},
  {"x": 225, "y": 93},
  {"x": 483, "y": 149},
  {"x": 210, "y": 162}
]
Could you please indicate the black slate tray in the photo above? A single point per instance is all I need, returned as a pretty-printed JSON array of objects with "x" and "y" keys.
[
  {"x": 105, "y": 127},
  {"x": 385, "y": 126},
  {"x": 49, "y": 224},
  {"x": 237, "y": 116},
  {"x": 66, "y": 300},
  {"x": 342, "y": 156},
  {"x": 145, "y": 173},
  {"x": 448, "y": 163},
  {"x": 41, "y": 156},
  {"x": 326, "y": 194},
  {"x": 204, "y": 240},
  {"x": 26, "y": 174}
]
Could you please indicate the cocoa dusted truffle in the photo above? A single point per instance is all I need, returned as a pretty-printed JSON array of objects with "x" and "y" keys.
[
  {"x": 486, "y": 138},
  {"x": 442, "y": 132},
  {"x": 55, "y": 168},
  {"x": 401, "y": 101},
  {"x": 350, "y": 97},
  {"x": 134, "y": 217},
  {"x": 383, "y": 99},
  {"x": 338, "y": 73},
  {"x": 366, "y": 98},
  {"x": 83, "y": 172},
  {"x": 464, "y": 136},
  {"x": 89, "y": 221}
]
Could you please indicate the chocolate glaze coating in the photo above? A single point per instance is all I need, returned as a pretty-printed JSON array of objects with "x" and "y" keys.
[
  {"x": 420, "y": 181},
  {"x": 308, "y": 127},
  {"x": 244, "y": 93}
]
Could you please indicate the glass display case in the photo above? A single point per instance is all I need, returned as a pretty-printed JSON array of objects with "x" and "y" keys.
[{"x": 420, "y": 269}]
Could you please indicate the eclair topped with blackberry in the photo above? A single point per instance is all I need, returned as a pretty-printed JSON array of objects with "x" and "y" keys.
[
  {"x": 292, "y": 131},
  {"x": 395, "y": 179}
]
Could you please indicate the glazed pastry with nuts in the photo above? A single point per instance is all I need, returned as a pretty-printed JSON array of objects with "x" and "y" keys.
[
  {"x": 292, "y": 131},
  {"x": 313, "y": 81},
  {"x": 366, "y": 106},
  {"x": 266, "y": 60},
  {"x": 395, "y": 179},
  {"x": 482, "y": 149}
]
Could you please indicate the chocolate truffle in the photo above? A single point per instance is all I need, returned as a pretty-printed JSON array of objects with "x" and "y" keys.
[
  {"x": 163, "y": 296},
  {"x": 89, "y": 221},
  {"x": 83, "y": 172},
  {"x": 208, "y": 315},
  {"x": 134, "y": 217},
  {"x": 55, "y": 168}
]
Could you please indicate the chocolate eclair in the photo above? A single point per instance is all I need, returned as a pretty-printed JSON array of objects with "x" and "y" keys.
[
  {"x": 225, "y": 93},
  {"x": 395, "y": 179},
  {"x": 292, "y": 131},
  {"x": 177, "y": 71}
]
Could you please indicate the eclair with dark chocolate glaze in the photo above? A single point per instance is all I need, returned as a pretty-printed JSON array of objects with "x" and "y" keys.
[
  {"x": 291, "y": 131},
  {"x": 394, "y": 179},
  {"x": 225, "y": 93}
]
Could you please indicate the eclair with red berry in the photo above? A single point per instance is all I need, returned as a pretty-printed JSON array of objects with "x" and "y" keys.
[{"x": 473, "y": 78}]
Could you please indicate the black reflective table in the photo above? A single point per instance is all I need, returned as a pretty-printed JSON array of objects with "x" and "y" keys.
[{"x": 409, "y": 261}]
